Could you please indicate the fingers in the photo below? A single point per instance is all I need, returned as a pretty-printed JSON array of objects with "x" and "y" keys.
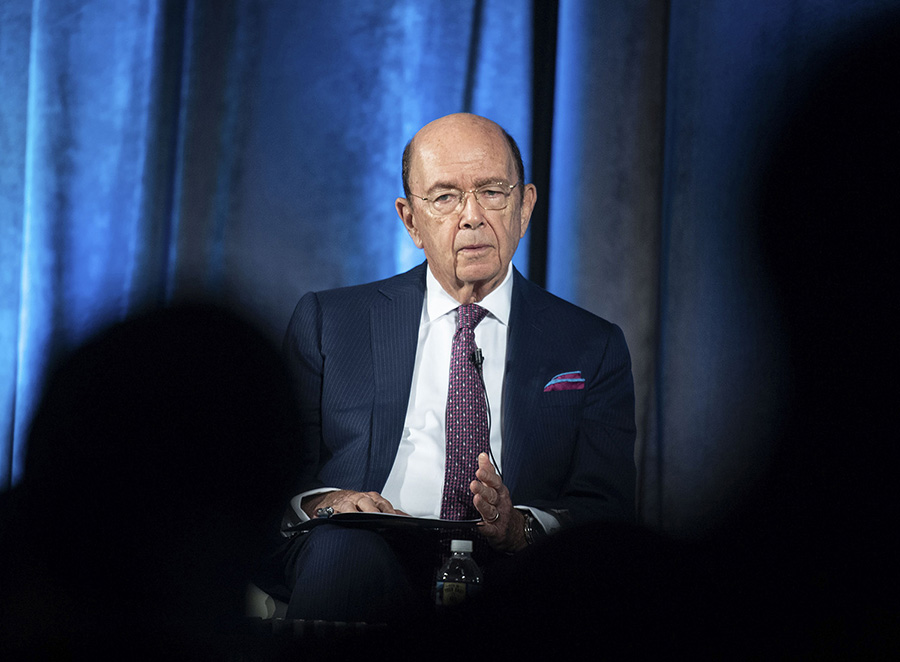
[
  {"x": 485, "y": 491},
  {"x": 489, "y": 512},
  {"x": 486, "y": 472},
  {"x": 491, "y": 497},
  {"x": 502, "y": 524},
  {"x": 361, "y": 502},
  {"x": 487, "y": 483}
]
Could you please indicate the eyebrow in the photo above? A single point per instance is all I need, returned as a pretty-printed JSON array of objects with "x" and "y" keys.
[{"x": 478, "y": 184}]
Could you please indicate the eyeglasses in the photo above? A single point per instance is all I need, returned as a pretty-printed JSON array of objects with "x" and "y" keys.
[{"x": 491, "y": 197}]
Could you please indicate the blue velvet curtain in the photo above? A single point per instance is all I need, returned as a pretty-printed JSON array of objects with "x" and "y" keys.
[{"x": 249, "y": 151}]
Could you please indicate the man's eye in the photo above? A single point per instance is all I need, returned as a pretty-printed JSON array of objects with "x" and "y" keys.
[
  {"x": 444, "y": 198},
  {"x": 490, "y": 193}
]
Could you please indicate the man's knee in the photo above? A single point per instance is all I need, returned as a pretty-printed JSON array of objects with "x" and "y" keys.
[
  {"x": 346, "y": 575},
  {"x": 327, "y": 547}
]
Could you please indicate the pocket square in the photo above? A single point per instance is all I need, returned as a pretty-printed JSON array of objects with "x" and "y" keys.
[{"x": 566, "y": 381}]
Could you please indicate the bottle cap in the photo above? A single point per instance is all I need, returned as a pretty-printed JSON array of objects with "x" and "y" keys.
[{"x": 460, "y": 545}]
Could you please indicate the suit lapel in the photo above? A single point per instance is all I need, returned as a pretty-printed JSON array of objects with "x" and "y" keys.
[
  {"x": 394, "y": 324},
  {"x": 522, "y": 385}
]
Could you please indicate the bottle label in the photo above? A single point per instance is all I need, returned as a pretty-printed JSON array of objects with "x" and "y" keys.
[{"x": 453, "y": 593}]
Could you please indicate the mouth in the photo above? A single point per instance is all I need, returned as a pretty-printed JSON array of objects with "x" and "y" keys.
[{"x": 474, "y": 249}]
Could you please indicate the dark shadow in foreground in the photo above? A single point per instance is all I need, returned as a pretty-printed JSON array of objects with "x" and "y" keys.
[{"x": 158, "y": 464}]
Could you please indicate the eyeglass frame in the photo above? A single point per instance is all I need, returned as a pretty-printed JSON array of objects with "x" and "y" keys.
[{"x": 462, "y": 201}]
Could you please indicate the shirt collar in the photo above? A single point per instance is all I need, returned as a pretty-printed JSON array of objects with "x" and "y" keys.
[{"x": 438, "y": 302}]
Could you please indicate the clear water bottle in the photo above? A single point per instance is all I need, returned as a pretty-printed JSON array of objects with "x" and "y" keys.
[{"x": 459, "y": 578}]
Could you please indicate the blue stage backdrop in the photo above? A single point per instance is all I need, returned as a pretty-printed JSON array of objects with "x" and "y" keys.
[{"x": 249, "y": 151}]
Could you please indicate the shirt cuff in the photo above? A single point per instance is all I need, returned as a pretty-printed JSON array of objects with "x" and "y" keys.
[{"x": 298, "y": 512}]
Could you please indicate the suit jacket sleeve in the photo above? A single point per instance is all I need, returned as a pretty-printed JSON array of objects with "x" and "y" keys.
[{"x": 302, "y": 347}]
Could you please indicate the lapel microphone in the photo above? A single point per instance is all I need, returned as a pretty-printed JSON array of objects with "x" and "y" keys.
[{"x": 477, "y": 358}]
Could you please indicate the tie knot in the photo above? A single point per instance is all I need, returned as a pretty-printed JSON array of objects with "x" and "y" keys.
[{"x": 470, "y": 314}]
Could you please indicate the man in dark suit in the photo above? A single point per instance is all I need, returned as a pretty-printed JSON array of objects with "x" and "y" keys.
[{"x": 372, "y": 363}]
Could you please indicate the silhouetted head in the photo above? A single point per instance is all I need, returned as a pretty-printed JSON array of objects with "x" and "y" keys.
[
  {"x": 829, "y": 214},
  {"x": 158, "y": 466}
]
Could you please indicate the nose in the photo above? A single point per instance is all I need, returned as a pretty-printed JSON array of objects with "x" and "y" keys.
[{"x": 470, "y": 216}]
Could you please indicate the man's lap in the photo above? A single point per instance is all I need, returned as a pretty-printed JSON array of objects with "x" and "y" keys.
[{"x": 343, "y": 574}]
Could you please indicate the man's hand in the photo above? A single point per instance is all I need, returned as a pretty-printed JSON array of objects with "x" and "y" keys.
[
  {"x": 503, "y": 525},
  {"x": 347, "y": 501}
]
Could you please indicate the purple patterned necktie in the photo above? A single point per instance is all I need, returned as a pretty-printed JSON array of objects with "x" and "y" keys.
[{"x": 467, "y": 427}]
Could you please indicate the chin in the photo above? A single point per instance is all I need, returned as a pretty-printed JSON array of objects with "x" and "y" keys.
[{"x": 478, "y": 277}]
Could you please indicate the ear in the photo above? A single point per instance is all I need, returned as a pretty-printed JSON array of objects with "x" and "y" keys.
[
  {"x": 529, "y": 198},
  {"x": 404, "y": 211}
]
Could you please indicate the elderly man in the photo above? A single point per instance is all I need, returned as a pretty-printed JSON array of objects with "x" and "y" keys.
[{"x": 456, "y": 390}]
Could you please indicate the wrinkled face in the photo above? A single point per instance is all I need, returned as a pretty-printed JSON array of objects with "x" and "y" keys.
[{"x": 469, "y": 250}]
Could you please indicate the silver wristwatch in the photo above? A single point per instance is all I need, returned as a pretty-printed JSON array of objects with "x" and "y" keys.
[{"x": 533, "y": 529}]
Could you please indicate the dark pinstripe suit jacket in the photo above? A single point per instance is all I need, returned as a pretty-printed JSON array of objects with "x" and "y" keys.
[{"x": 565, "y": 451}]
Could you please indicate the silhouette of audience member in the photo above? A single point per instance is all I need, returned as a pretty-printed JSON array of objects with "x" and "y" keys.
[
  {"x": 157, "y": 467},
  {"x": 829, "y": 223}
]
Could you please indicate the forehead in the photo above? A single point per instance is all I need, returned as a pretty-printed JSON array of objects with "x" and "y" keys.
[{"x": 462, "y": 153}]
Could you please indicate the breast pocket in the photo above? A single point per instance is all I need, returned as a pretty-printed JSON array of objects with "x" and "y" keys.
[{"x": 570, "y": 398}]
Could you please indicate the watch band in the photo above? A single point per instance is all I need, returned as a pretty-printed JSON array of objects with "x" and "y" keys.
[{"x": 533, "y": 529}]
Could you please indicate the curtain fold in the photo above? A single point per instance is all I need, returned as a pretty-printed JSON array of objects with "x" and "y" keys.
[
  {"x": 15, "y": 45},
  {"x": 721, "y": 368},
  {"x": 603, "y": 248},
  {"x": 83, "y": 240}
]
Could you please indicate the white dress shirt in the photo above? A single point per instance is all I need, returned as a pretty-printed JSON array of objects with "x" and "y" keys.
[{"x": 415, "y": 484}]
